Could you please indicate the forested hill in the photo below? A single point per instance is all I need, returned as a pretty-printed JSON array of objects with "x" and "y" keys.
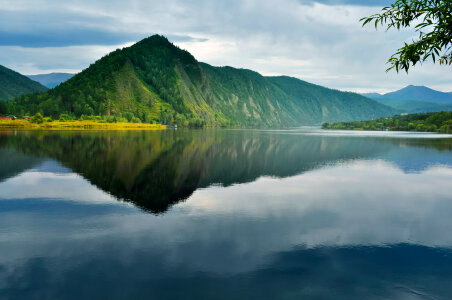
[
  {"x": 430, "y": 122},
  {"x": 415, "y": 99},
  {"x": 13, "y": 84},
  {"x": 156, "y": 81}
]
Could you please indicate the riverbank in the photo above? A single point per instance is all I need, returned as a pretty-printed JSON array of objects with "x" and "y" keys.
[
  {"x": 421, "y": 122},
  {"x": 78, "y": 125}
]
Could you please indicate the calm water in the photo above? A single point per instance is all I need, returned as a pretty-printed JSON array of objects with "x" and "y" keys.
[{"x": 226, "y": 214}]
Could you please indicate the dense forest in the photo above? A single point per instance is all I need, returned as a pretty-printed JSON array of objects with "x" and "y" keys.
[
  {"x": 154, "y": 81},
  {"x": 3, "y": 108},
  {"x": 13, "y": 84},
  {"x": 429, "y": 122}
]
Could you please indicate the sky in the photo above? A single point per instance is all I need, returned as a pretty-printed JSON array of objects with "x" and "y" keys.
[{"x": 320, "y": 41}]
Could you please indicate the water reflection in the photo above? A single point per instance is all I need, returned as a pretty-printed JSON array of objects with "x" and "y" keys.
[
  {"x": 265, "y": 216},
  {"x": 157, "y": 169}
]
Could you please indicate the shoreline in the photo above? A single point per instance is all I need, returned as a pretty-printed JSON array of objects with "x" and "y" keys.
[{"x": 78, "y": 125}]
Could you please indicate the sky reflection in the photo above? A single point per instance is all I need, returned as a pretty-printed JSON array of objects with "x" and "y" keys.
[
  {"x": 346, "y": 229},
  {"x": 350, "y": 204}
]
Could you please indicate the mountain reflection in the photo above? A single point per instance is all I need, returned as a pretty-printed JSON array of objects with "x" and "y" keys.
[
  {"x": 157, "y": 169},
  {"x": 319, "y": 216},
  {"x": 13, "y": 162}
]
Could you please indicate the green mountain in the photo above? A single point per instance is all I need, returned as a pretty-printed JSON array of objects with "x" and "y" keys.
[
  {"x": 156, "y": 81},
  {"x": 415, "y": 93},
  {"x": 13, "y": 84},
  {"x": 408, "y": 106},
  {"x": 51, "y": 80},
  {"x": 415, "y": 99},
  {"x": 420, "y": 93}
]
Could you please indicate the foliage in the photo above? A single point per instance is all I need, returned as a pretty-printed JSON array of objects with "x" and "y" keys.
[
  {"x": 65, "y": 117},
  {"x": 49, "y": 124},
  {"x": 135, "y": 120},
  {"x": 429, "y": 122},
  {"x": 37, "y": 119},
  {"x": 3, "y": 108},
  {"x": 433, "y": 19}
]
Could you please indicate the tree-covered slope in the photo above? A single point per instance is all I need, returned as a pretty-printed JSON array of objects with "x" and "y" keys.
[
  {"x": 13, "y": 84},
  {"x": 156, "y": 81},
  {"x": 324, "y": 104}
]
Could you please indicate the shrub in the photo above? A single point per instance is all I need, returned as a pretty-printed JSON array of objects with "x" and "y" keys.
[
  {"x": 135, "y": 120},
  {"x": 37, "y": 119},
  {"x": 111, "y": 119},
  {"x": 65, "y": 117}
]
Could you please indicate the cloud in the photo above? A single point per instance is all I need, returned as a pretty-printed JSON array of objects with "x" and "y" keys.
[
  {"x": 66, "y": 38},
  {"x": 67, "y": 28},
  {"x": 271, "y": 214},
  {"x": 351, "y": 2},
  {"x": 326, "y": 36},
  {"x": 70, "y": 59}
]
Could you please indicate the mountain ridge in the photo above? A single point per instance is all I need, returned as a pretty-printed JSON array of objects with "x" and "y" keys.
[
  {"x": 415, "y": 99},
  {"x": 415, "y": 93},
  {"x": 421, "y": 93},
  {"x": 13, "y": 84},
  {"x": 155, "y": 81}
]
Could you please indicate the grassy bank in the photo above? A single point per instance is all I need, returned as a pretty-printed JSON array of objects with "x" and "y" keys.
[{"x": 78, "y": 125}]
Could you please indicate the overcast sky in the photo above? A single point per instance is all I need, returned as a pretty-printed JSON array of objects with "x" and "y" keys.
[{"x": 318, "y": 41}]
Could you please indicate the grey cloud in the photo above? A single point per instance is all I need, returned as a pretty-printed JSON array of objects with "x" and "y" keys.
[
  {"x": 338, "y": 52},
  {"x": 69, "y": 28},
  {"x": 351, "y": 2},
  {"x": 184, "y": 38},
  {"x": 66, "y": 38},
  {"x": 79, "y": 37}
]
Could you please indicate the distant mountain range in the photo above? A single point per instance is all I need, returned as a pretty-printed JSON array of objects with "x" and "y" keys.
[
  {"x": 414, "y": 99},
  {"x": 13, "y": 84},
  {"x": 156, "y": 81},
  {"x": 51, "y": 80}
]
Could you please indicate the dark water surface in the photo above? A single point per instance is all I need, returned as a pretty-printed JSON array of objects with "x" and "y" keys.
[{"x": 225, "y": 214}]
